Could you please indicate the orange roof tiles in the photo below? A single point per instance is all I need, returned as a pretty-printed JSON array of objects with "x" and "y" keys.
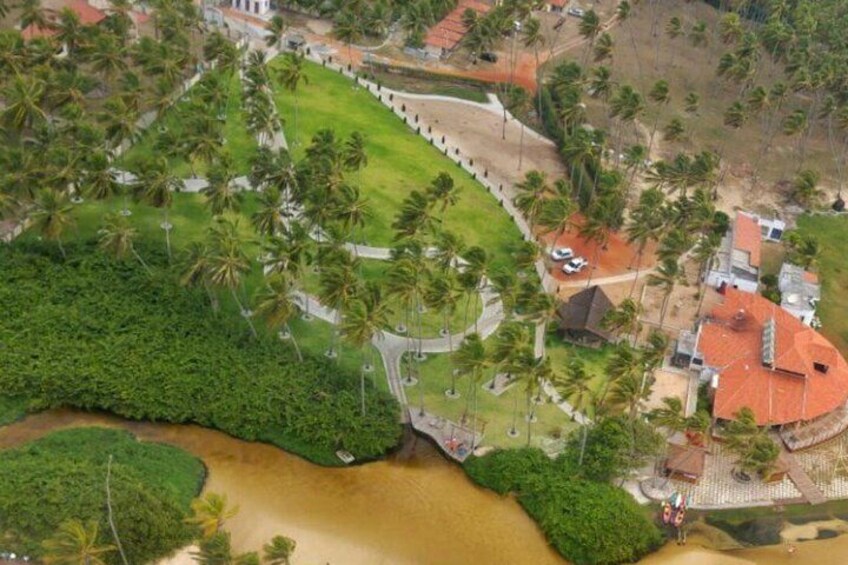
[
  {"x": 731, "y": 341},
  {"x": 88, "y": 15},
  {"x": 811, "y": 278},
  {"x": 450, "y": 30},
  {"x": 747, "y": 237}
]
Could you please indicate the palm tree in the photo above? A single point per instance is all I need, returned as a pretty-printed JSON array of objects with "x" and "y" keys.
[
  {"x": 531, "y": 192},
  {"x": 364, "y": 319},
  {"x": 279, "y": 550},
  {"x": 470, "y": 359},
  {"x": 756, "y": 450},
  {"x": 443, "y": 294},
  {"x": 24, "y": 98},
  {"x": 534, "y": 38},
  {"x": 589, "y": 28},
  {"x": 276, "y": 305},
  {"x": 666, "y": 276},
  {"x": 660, "y": 96},
  {"x": 348, "y": 28},
  {"x": 228, "y": 264},
  {"x": 513, "y": 353},
  {"x": 210, "y": 512},
  {"x": 669, "y": 415},
  {"x": 603, "y": 48},
  {"x": 339, "y": 286},
  {"x": 805, "y": 190},
  {"x": 624, "y": 318},
  {"x": 403, "y": 283},
  {"x": 574, "y": 388},
  {"x": 269, "y": 218},
  {"x": 156, "y": 186},
  {"x": 75, "y": 543},
  {"x": 415, "y": 217},
  {"x": 443, "y": 192},
  {"x": 352, "y": 210},
  {"x": 117, "y": 238},
  {"x": 222, "y": 193},
  {"x": 290, "y": 77},
  {"x": 51, "y": 215},
  {"x": 354, "y": 156},
  {"x": 449, "y": 250},
  {"x": 275, "y": 29},
  {"x": 626, "y": 106}
]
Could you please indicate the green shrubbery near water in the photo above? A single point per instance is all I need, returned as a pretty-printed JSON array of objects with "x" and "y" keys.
[
  {"x": 63, "y": 477},
  {"x": 92, "y": 333},
  {"x": 588, "y": 522}
]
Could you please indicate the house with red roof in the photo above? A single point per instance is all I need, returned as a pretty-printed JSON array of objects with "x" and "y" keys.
[
  {"x": 737, "y": 262},
  {"x": 446, "y": 35},
  {"x": 88, "y": 15},
  {"x": 757, "y": 355}
]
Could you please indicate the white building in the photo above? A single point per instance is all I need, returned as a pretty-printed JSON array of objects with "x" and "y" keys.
[
  {"x": 800, "y": 292},
  {"x": 256, "y": 7},
  {"x": 737, "y": 262}
]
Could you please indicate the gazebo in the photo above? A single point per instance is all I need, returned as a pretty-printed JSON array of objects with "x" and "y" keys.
[
  {"x": 580, "y": 317},
  {"x": 685, "y": 462}
]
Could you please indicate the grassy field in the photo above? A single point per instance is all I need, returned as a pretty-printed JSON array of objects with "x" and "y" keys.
[
  {"x": 595, "y": 360},
  {"x": 399, "y": 161},
  {"x": 831, "y": 232},
  {"x": 240, "y": 145},
  {"x": 12, "y": 408},
  {"x": 495, "y": 415}
]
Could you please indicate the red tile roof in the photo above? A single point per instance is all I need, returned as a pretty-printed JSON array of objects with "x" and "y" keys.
[
  {"x": 731, "y": 341},
  {"x": 558, "y": 3},
  {"x": 811, "y": 278},
  {"x": 450, "y": 30},
  {"x": 747, "y": 237},
  {"x": 88, "y": 15}
]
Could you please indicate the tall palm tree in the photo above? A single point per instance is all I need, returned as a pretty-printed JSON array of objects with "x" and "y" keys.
[
  {"x": 195, "y": 270},
  {"x": 531, "y": 193},
  {"x": 443, "y": 294},
  {"x": 352, "y": 211},
  {"x": 222, "y": 193},
  {"x": 117, "y": 238},
  {"x": 534, "y": 38},
  {"x": 805, "y": 190},
  {"x": 666, "y": 276},
  {"x": 156, "y": 186},
  {"x": 626, "y": 105},
  {"x": 354, "y": 156},
  {"x": 268, "y": 219},
  {"x": 51, "y": 215},
  {"x": 228, "y": 263},
  {"x": 404, "y": 284},
  {"x": 348, "y": 28},
  {"x": 276, "y": 305},
  {"x": 443, "y": 192},
  {"x": 339, "y": 286},
  {"x": 589, "y": 28},
  {"x": 276, "y": 29},
  {"x": 210, "y": 512},
  {"x": 470, "y": 360},
  {"x": 660, "y": 95},
  {"x": 290, "y": 77},
  {"x": 573, "y": 387},
  {"x": 624, "y": 319},
  {"x": 364, "y": 319},
  {"x": 279, "y": 550},
  {"x": 24, "y": 99},
  {"x": 75, "y": 543}
]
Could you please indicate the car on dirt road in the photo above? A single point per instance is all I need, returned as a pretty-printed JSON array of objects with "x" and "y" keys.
[
  {"x": 575, "y": 266},
  {"x": 576, "y": 12},
  {"x": 562, "y": 253}
]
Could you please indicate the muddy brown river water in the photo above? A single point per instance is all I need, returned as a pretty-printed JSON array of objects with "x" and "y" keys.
[{"x": 417, "y": 508}]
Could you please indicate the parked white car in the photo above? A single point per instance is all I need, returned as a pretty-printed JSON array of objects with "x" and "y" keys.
[
  {"x": 575, "y": 266},
  {"x": 576, "y": 12},
  {"x": 562, "y": 253}
]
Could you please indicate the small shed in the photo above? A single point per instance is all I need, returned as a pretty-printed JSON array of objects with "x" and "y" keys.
[
  {"x": 580, "y": 317},
  {"x": 685, "y": 462}
]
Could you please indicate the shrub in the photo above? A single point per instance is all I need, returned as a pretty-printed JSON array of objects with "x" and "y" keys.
[
  {"x": 96, "y": 334},
  {"x": 588, "y": 522},
  {"x": 62, "y": 476}
]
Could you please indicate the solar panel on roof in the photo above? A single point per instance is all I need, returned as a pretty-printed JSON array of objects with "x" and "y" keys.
[{"x": 768, "y": 342}]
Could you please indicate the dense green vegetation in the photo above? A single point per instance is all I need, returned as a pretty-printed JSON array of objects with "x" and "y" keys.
[
  {"x": 11, "y": 408},
  {"x": 93, "y": 333},
  {"x": 63, "y": 476},
  {"x": 588, "y": 522}
]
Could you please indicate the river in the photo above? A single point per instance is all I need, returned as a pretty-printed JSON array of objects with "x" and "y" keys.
[{"x": 414, "y": 508}]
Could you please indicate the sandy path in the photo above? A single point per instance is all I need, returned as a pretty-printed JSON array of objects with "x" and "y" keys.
[{"x": 477, "y": 133}]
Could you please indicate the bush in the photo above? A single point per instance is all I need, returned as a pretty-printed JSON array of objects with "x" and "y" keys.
[
  {"x": 62, "y": 476},
  {"x": 97, "y": 334},
  {"x": 588, "y": 522}
]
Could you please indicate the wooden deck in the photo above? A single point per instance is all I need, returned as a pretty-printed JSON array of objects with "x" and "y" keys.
[
  {"x": 455, "y": 440},
  {"x": 802, "y": 481}
]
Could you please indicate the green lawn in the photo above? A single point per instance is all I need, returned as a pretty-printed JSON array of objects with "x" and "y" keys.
[
  {"x": 240, "y": 145},
  {"x": 831, "y": 232},
  {"x": 399, "y": 161},
  {"x": 595, "y": 360},
  {"x": 12, "y": 408},
  {"x": 494, "y": 412}
]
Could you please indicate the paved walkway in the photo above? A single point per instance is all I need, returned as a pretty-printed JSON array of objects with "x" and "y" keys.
[{"x": 803, "y": 482}]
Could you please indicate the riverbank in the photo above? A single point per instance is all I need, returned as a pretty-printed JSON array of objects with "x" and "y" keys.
[{"x": 410, "y": 507}]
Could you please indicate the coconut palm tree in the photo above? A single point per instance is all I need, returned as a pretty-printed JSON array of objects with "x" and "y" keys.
[
  {"x": 531, "y": 192},
  {"x": 222, "y": 193},
  {"x": 443, "y": 294},
  {"x": 210, "y": 512},
  {"x": 352, "y": 210},
  {"x": 415, "y": 217},
  {"x": 470, "y": 360},
  {"x": 805, "y": 190},
  {"x": 275, "y": 30},
  {"x": 290, "y": 77},
  {"x": 75, "y": 543},
  {"x": 626, "y": 105},
  {"x": 24, "y": 98},
  {"x": 534, "y": 38},
  {"x": 51, "y": 215},
  {"x": 279, "y": 550},
  {"x": 268, "y": 219},
  {"x": 276, "y": 305},
  {"x": 339, "y": 286},
  {"x": 156, "y": 185},
  {"x": 449, "y": 250},
  {"x": 669, "y": 415},
  {"x": 624, "y": 319},
  {"x": 195, "y": 270},
  {"x": 403, "y": 284},
  {"x": 228, "y": 263},
  {"x": 348, "y": 28},
  {"x": 666, "y": 276},
  {"x": 117, "y": 238},
  {"x": 513, "y": 345},
  {"x": 443, "y": 193},
  {"x": 603, "y": 49},
  {"x": 363, "y": 320},
  {"x": 353, "y": 155},
  {"x": 573, "y": 387},
  {"x": 589, "y": 28},
  {"x": 660, "y": 95}
]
